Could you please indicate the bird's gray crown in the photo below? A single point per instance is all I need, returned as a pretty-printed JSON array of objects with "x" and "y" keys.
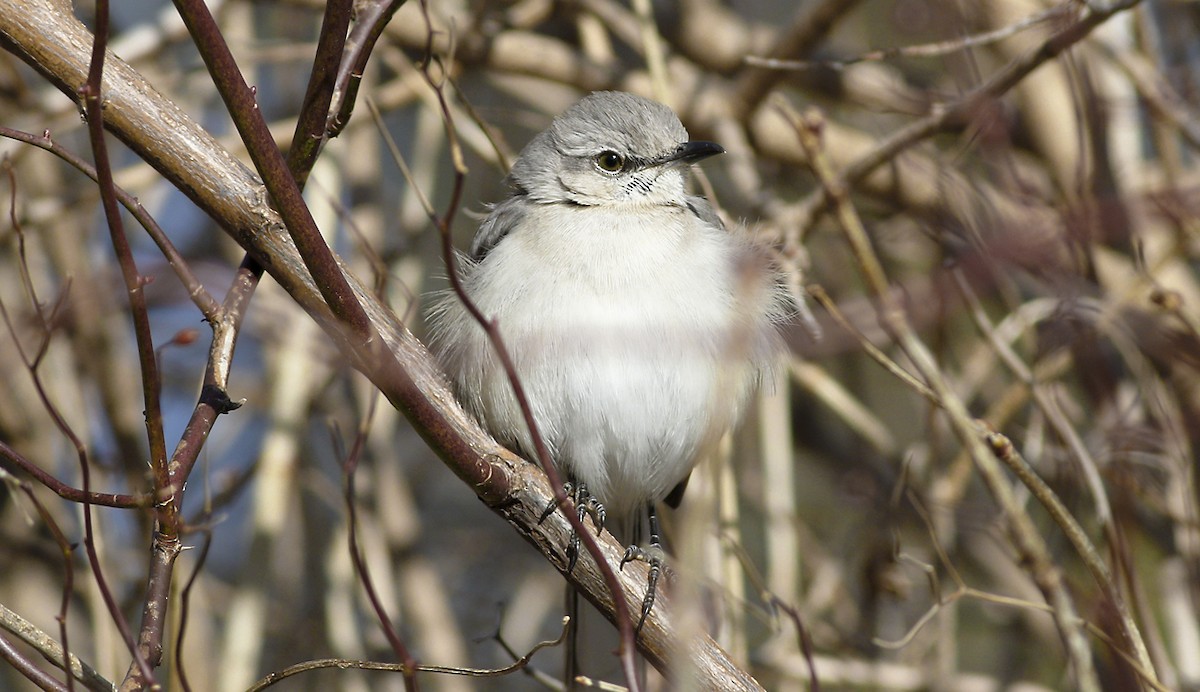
[
  {"x": 573, "y": 160},
  {"x": 630, "y": 124}
]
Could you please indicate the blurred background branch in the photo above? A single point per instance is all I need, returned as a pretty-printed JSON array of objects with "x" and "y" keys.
[{"x": 1024, "y": 175}]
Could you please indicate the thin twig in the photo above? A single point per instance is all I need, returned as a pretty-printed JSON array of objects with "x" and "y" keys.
[
  {"x": 62, "y": 489},
  {"x": 927, "y": 50},
  {"x": 813, "y": 22},
  {"x": 944, "y": 115},
  {"x": 52, "y": 650},
  {"x": 342, "y": 663},
  {"x": 68, "y": 587},
  {"x": 185, "y": 599},
  {"x": 370, "y": 19},
  {"x": 1026, "y": 539},
  {"x": 195, "y": 289},
  {"x": 1007, "y": 452},
  {"x": 819, "y": 294},
  {"x": 311, "y": 127},
  {"x": 408, "y": 664},
  {"x": 22, "y": 664}
]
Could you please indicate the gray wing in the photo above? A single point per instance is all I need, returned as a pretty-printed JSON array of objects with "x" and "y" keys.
[
  {"x": 504, "y": 217},
  {"x": 701, "y": 208}
]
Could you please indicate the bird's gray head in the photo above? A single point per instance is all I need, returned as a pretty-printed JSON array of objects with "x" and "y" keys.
[{"x": 610, "y": 148}]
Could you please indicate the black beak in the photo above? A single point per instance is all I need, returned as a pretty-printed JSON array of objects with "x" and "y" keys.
[{"x": 691, "y": 152}]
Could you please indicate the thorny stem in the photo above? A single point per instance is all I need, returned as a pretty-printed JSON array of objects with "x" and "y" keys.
[
  {"x": 284, "y": 180},
  {"x": 166, "y": 529}
]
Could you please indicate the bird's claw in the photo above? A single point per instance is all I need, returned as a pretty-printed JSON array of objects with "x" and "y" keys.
[
  {"x": 654, "y": 555},
  {"x": 586, "y": 505},
  {"x": 656, "y": 558}
]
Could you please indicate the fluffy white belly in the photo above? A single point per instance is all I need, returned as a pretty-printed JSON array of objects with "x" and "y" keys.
[{"x": 635, "y": 349}]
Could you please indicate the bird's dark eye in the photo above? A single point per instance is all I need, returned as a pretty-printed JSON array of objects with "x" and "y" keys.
[{"x": 610, "y": 161}]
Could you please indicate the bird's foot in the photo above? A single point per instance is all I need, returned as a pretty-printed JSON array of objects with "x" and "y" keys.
[
  {"x": 586, "y": 505},
  {"x": 654, "y": 555}
]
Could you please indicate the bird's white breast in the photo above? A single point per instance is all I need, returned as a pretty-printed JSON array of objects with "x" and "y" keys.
[{"x": 635, "y": 334}]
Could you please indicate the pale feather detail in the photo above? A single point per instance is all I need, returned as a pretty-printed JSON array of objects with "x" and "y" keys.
[{"x": 637, "y": 335}]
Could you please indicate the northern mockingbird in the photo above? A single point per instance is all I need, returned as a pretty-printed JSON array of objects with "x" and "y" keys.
[{"x": 638, "y": 325}]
